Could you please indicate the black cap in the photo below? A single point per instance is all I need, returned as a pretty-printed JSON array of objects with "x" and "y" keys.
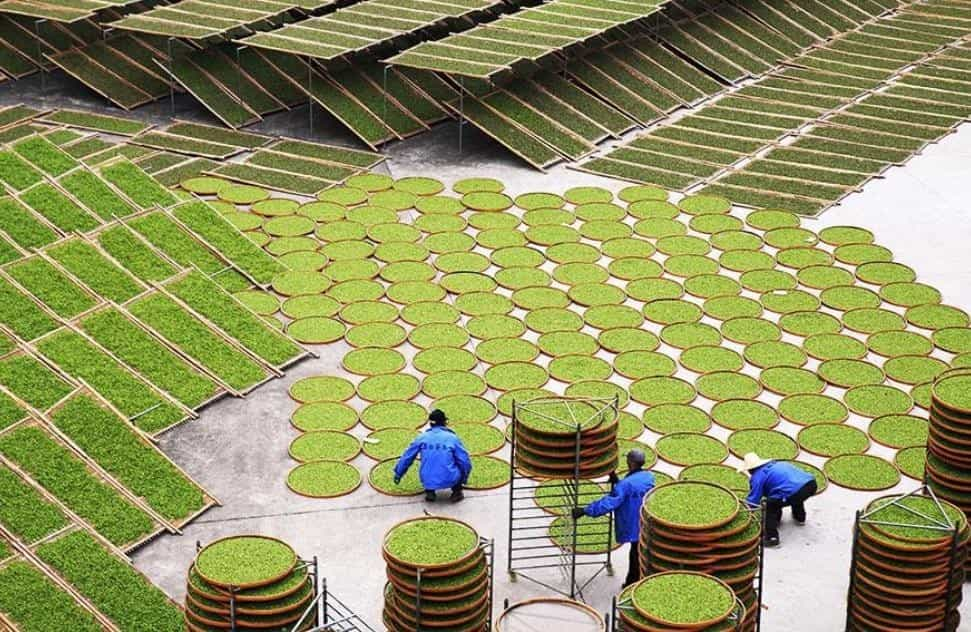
[{"x": 437, "y": 417}]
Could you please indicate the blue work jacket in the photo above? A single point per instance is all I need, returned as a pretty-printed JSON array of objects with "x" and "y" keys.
[
  {"x": 776, "y": 480},
  {"x": 444, "y": 460},
  {"x": 625, "y": 501}
]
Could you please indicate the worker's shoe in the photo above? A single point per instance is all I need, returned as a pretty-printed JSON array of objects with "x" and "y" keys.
[
  {"x": 799, "y": 523},
  {"x": 457, "y": 495},
  {"x": 771, "y": 541},
  {"x": 430, "y": 496}
]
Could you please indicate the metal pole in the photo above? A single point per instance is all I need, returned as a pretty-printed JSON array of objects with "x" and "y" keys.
[
  {"x": 171, "y": 77},
  {"x": 320, "y": 585},
  {"x": 310, "y": 93},
  {"x": 418, "y": 602},
  {"x": 232, "y": 609},
  {"x": 239, "y": 73},
  {"x": 512, "y": 486},
  {"x": 384, "y": 112},
  {"x": 40, "y": 55},
  {"x": 461, "y": 109},
  {"x": 576, "y": 503},
  {"x": 646, "y": 566},
  {"x": 853, "y": 554},
  {"x": 950, "y": 605},
  {"x": 492, "y": 574},
  {"x": 758, "y": 601},
  {"x": 610, "y": 516}
]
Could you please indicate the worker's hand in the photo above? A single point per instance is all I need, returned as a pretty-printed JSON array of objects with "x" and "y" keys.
[
  {"x": 397, "y": 479},
  {"x": 613, "y": 478},
  {"x": 578, "y": 512}
]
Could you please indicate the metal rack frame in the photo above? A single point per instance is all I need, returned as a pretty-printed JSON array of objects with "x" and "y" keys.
[
  {"x": 332, "y": 614},
  {"x": 528, "y": 531},
  {"x": 863, "y": 517}
]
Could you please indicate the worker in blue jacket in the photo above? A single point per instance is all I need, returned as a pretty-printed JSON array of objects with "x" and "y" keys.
[
  {"x": 782, "y": 485},
  {"x": 445, "y": 462},
  {"x": 625, "y": 501}
]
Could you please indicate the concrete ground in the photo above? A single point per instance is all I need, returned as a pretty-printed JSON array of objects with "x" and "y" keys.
[{"x": 238, "y": 448}]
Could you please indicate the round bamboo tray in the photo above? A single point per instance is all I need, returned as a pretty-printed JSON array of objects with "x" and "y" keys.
[
  {"x": 534, "y": 467},
  {"x": 895, "y": 609},
  {"x": 393, "y": 622},
  {"x": 543, "y": 449},
  {"x": 467, "y": 590},
  {"x": 455, "y": 612},
  {"x": 667, "y": 522},
  {"x": 887, "y": 564},
  {"x": 588, "y": 450},
  {"x": 253, "y": 584},
  {"x": 452, "y": 620},
  {"x": 388, "y": 556},
  {"x": 719, "y": 534},
  {"x": 601, "y": 431},
  {"x": 222, "y": 608},
  {"x": 644, "y": 612},
  {"x": 531, "y": 614},
  {"x": 216, "y": 593},
  {"x": 633, "y": 621},
  {"x": 439, "y": 573},
  {"x": 242, "y": 622}
]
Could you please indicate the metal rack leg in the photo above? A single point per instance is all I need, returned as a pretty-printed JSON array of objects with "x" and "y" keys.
[
  {"x": 310, "y": 93},
  {"x": 576, "y": 503},
  {"x": 239, "y": 73},
  {"x": 171, "y": 77},
  {"x": 853, "y": 554},
  {"x": 761, "y": 583},
  {"x": 512, "y": 494},
  {"x": 384, "y": 105},
  {"x": 40, "y": 55},
  {"x": 320, "y": 586},
  {"x": 418, "y": 602},
  {"x": 461, "y": 110},
  {"x": 232, "y": 610}
]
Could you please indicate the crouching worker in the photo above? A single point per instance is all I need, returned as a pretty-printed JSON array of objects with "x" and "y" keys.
[
  {"x": 782, "y": 485},
  {"x": 625, "y": 501},
  {"x": 445, "y": 462}
]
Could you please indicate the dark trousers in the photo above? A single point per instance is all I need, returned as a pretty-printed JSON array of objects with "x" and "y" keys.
[
  {"x": 455, "y": 490},
  {"x": 773, "y": 508},
  {"x": 633, "y": 565}
]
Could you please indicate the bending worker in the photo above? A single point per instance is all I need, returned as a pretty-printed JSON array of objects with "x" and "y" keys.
[
  {"x": 445, "y": 462},
  {"x": 782, "y": 485},
  {"x": 625, "y": 501}
]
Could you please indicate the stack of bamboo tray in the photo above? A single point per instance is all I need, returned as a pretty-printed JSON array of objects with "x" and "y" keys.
[
  {"x": 703, "y": 527},
  {"x": 563, "y": 437},
  {"x": 679, "y": 601},
  {"x": 250, "y": 581},
  {"x": 908, "y": 565},
  {"x": 438, "y": 577},
  {"x": 948, "y": 467}
]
